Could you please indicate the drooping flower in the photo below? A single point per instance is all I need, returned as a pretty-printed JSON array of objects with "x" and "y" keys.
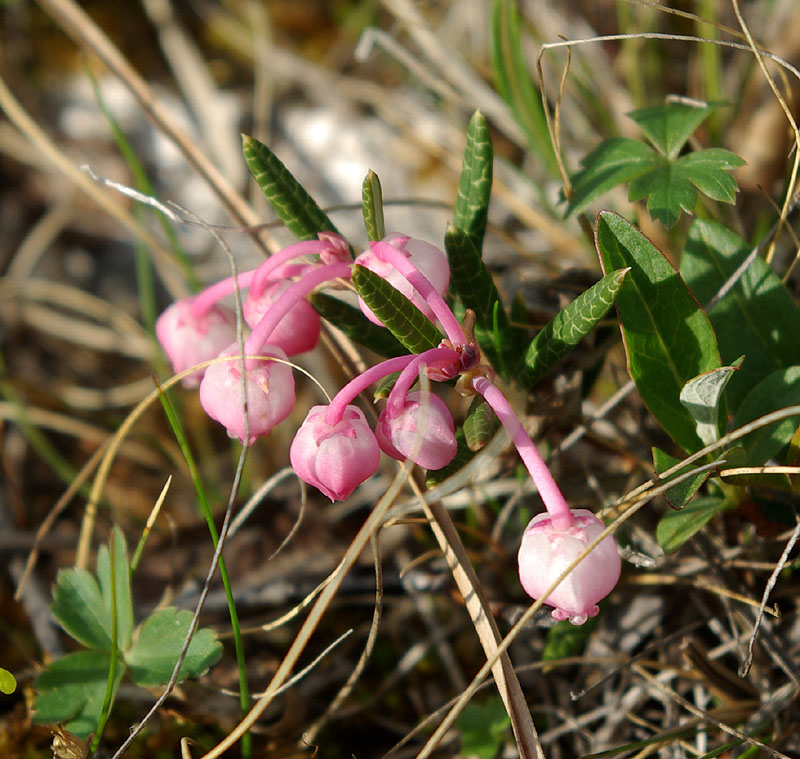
[
  {"x": 270, "y": 393},
  {"x": 334, "y": 458},
  {"x": 547, "y": 551},
  {"x": 422, "y": 431},
  {"x": 188, "y": 338},
  {"x": 428, "y": 259},
  {"x": 298, "y": 330}
]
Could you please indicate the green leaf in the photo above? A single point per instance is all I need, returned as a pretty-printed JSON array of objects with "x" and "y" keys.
[
  {"x": 565, "y": 639},
  {"x": 757, "y": 318},
  {"x": 702, "y": 397},
  {"x": 678, "y": 495},
  {"x": 706, "y": 170},
  {"x": 513, "y": 81},
  {"x": 372, "y": 206},
  {"x": 676, "y": 527},
  {"x": 483, "y": 728},
  {"x": 668, "y": 339},
  {"x": 80, "y": 609},
  {"x": 568, "y": 327},
  {"x": 480, "y": 424},
  {"x": 776, "y": 391},
  {"x": 159, "y": 642},
  {"x": 72, "y": 689},
  {"x": 611, "y": 163},
  {"x": 295, "y": 207},
  {"x": 401, "y": 317},
  {"x": 8, "y": 683},
  {"x": 384, "y": 387},
  {"x": 475, "y": 185},
  {"x": 474, "y": 286},
  {"x": 669, "y": 125},
  {"x": 122, "y": 584},
  {"x": 356, "y": 326}
]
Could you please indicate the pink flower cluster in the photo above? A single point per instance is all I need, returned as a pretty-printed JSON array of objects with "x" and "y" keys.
[{"x": 249, "y": 388}]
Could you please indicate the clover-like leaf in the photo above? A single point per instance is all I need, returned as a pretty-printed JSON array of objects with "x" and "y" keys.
[
  {"x": 122, "y": 583},
  {"x": 80, "y": 608},
  {"x": 72, "y": 690},
  {"x": 158, "y": 643},
  {"x": 669, "y": 125}
]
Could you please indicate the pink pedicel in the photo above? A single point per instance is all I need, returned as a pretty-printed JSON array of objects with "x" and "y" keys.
[
  {"x": 547, "y": 551},
  {"x": 335, "y": 458},
  {"x": 422, "y": 431},
  {"x": 270, "y": 393},
  {"x": 189, "y": 339},
  {"x": 427, "y": 258},
  {"x": 298, "y": 331}
]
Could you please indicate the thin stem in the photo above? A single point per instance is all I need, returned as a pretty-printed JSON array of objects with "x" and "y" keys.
[
  {"x": 336, "y": 408},
  {"x": 410, "y": 374},
  {"x": 424, "y": 287},
  {"x": 553, "y": 500},
  {"x": 203, "y": 302},
  {"x": 304, "y": 248},
  {"x": 260, "y": 335}
]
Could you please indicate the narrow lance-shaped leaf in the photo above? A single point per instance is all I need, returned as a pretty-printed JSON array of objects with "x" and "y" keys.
[
  {"x": 295, "y": 207},
  {"x": 401, "y": 317},
  {"x": 475, "y": 185},
  {"x": 513, "y": 81},
  {"x": 356, "y": 326},
  {"x": 372, "y": 207},
  {"x": 479, "y": 424},
  {"x": 568, "y": 327},
  {"x": 668, "y": 338}
]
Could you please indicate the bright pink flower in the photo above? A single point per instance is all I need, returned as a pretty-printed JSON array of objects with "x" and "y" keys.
[
  {"x": 546, "y": 552},
  {"x": 423, "y": 431},
  {"x": 298, "y": 331},
  {"x": 188, "y": 339},
  {"x": 270, "y": 393},
  {"x": 427, "y": 258},
  {"x": 335, "y": 458}
]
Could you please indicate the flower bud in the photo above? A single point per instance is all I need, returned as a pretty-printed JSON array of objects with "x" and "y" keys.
[
  {"x": 188, "y": 339},
  {"x": 423, "y": 431},
  {"x": 270, "y": 393},
  {"x": 430, "y": 261},
  {"x": 546, "y": 552},
  {"x": 334, "y": 458},
  {"x": 298, "y": 331}
]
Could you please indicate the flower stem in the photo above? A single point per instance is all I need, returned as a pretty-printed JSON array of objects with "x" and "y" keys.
[
  {"x": 203, "y": 302},
  {"x": 552, "y": 497},
  {"x": 410, "y": 373}
]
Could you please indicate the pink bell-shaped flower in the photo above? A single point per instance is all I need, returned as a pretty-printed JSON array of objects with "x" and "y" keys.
[
  {"x": 422, "y": 432},
  {"x": 427, "y": 258},
  {"x": 298, "y": 331},
  {"x": 270, "y": 393},
  {"x": 188, "y": 339},
  {"x": 335, "y": 458},
  {"x": 546, "y": 552}
]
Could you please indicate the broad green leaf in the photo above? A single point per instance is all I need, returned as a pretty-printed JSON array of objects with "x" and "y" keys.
[
  {"x": 372, "y": 207},
  {"x": 356, "y": 326},
  {"x": 484, "y": 728},
  {"x": 123, "y": 587},
  {"x": 80, "y": 609},
  {"x": 401, "y": 317},
  {"x": 568, "y": 327},
  {"x": 158, "y": 644},
  {"x": 8, "y": 683},
  {"x": 702, "y": 397},
  {"x": 776, "y": 391},
  {"x": 513, "y": 81},
  {"x": 565, "y": 639},
  {"x": 668, "y": 339},
  {"x": 475, "y": 186},
  {"x": 479, "y": 424},
  {"x": 757, "y": 318},
  {"x": 611, "y": 163},
  {"x": 676, "y": 527},
  {"x": 680, "y": 494},
  {"x": 669, "y": 125},
  {"x": 474, "y": 286},
  {"x": 295, "y": 207},
  {"x": 72, "y": 690}
]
